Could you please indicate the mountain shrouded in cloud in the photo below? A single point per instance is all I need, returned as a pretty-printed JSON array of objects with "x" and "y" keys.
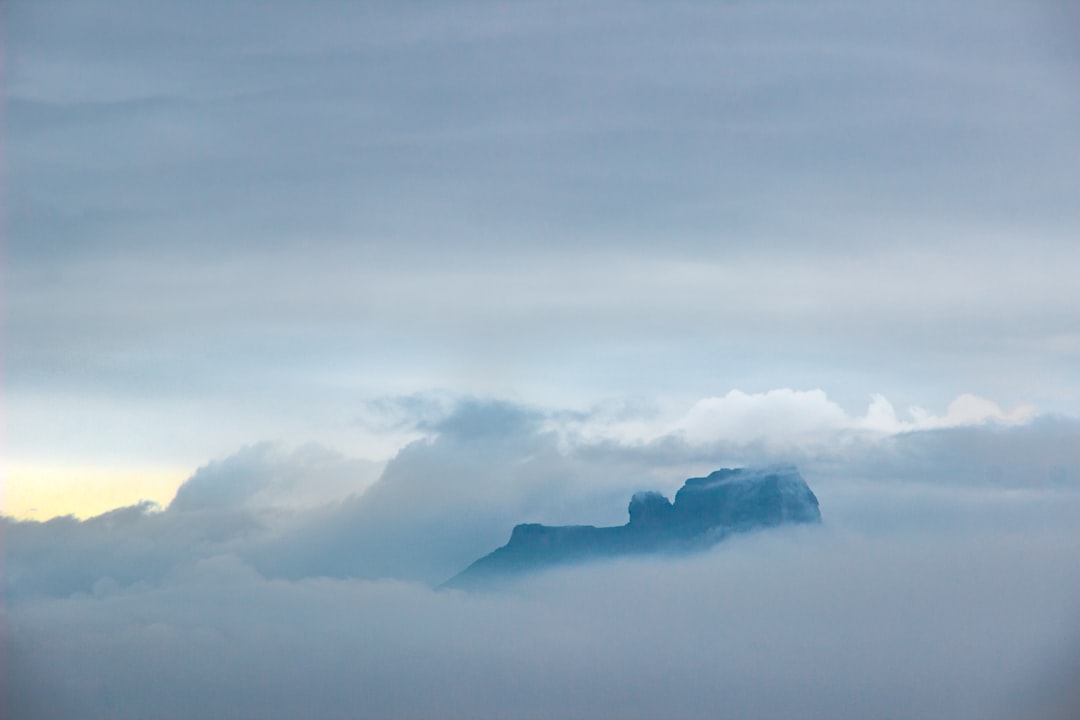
[
  {"x": 482, "y": 466},
  {"x": 706, "y": 510},
  {"x": 931, "y": 569},
  {"x": 383, "y": 280}
]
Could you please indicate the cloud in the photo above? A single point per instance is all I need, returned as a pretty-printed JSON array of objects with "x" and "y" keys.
[
  {"x": 966, "y": 409},
  {"x": 807, "y": 623},
  {"x": 549, "y": 203},
  {"x": 449, "y": 497},
  {"x": 934, "y": 588},
  {"x": 787, "y": 419},
  {"x": 266, "y": 476},
  {"x": 481, "y": 466},
  {"x": 236, "y": 221},
  {"x": 783, "y": 414}
]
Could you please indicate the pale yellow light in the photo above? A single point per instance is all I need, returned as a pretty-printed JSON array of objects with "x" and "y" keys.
[{"x": 41, "y": 491}]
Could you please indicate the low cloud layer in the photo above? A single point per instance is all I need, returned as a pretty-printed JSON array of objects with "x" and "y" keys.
[
  {"x": 811, "y": 624},
  {"x": 481, "y": 466},
  {"x": 934, "y": 589}
]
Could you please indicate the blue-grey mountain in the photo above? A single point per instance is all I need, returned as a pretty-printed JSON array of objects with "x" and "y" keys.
[{"x": 706, "y": 510}]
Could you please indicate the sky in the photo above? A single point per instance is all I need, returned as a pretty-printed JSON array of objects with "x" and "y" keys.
[
  {"x": 234, "y": 224},
  {"x": 305, "y": 307}
]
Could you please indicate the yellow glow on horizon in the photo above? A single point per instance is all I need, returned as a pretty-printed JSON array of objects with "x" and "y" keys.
[{"x": 40, "y": 492}]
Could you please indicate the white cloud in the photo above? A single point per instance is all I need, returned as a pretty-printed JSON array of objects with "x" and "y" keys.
[
  {"x": 788, "y": 419},
  {"x": 970, "y": 409},
  {"x": 268, "y": 476},
  {"x": 783, "y": 415}
]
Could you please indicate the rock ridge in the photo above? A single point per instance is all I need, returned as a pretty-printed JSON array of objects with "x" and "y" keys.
[{"x": 705, "y": 511}]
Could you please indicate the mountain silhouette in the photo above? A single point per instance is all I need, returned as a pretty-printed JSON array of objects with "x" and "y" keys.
[{"x": 706, "y": 510}]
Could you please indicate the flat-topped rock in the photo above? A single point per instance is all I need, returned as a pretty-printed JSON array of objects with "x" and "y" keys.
[{"x": 705, "y": 511}]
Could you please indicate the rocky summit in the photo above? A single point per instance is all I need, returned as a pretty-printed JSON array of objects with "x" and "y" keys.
[{"x": 706, "y": 510}]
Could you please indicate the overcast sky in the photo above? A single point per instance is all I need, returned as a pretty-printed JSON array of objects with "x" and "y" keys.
[
  {"x": 230, "y": 222},
  {"x": 377, "y": 281}
]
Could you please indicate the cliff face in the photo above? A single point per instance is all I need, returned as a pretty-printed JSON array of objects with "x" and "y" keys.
[{"x": 705, "y": 511}]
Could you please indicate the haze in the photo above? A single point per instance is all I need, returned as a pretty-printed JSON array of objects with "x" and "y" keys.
[{"x": 306, "y": 306}]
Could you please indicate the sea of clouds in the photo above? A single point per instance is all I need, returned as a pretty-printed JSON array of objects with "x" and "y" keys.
[{"x": 942, "y": 583}]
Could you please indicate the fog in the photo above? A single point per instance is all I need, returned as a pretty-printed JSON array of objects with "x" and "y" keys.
[
  {"x": 231, "y": 229},
  {"x": 927, "y": 592},
  {"x": 809, "y": 623}
]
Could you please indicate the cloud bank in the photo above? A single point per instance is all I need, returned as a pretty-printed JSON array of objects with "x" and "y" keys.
[
  {"x": 800, "y": 624},
  {"x": 933, "y": 589},
  {"x": 790, "y": 418}
]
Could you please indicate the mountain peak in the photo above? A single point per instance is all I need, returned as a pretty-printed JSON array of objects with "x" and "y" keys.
[{"x": 706, "y": 510}]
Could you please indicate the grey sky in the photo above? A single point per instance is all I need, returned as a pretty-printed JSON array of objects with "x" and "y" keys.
[
  {"x": 387, "y": 278},
  {"x": 273, "y": 215}
]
